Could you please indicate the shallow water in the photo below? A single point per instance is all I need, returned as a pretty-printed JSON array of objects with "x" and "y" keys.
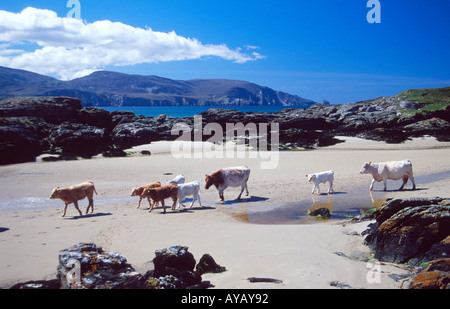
[
  {"x": 38, "y": 203},
  {"x": 342, "y": 204}
]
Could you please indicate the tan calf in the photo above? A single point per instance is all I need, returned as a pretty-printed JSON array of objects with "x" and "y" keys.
[
  {"x": 75, "y": 193},
  {"x": 160, "y": 194},
  {"x": 138, "y": 191}
]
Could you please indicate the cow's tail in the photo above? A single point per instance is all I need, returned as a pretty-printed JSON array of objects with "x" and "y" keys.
[{"x": 93, "y": 186}]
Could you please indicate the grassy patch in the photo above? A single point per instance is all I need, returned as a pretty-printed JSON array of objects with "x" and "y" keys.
[{"x": 434, "y": 98}]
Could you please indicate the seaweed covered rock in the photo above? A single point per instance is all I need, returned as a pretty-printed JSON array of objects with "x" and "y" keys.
[
  {"x": 88, "y": 266},
  {"x": 436, "y": 275},
  {"x": 411, "y": 230}
]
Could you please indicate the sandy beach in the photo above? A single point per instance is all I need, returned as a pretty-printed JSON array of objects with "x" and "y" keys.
[{"x": 32, "y": 231}]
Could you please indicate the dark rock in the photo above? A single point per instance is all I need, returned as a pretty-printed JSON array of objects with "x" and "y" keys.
[
  {"x": 166, "y": 282},
  {"x": 267, "y": 280},
  {"x": 37, "y": 285},
  {"x": 79, "y": 139},
  {"x": 54, "y": 110},
  {"x": 129, "y": 134},
  {"x": 185, "y": 278},
  {"x": 320, "y": 213},
  {"x": 388, "y": 135},
  {"x": 208, "y": 265},
  {"x": 411, "y": 233},
  {"x": 19, "y": 140},
  {"x": 98, "y": 269},
  {"x": 176, "y": 257},
  {"x": 95, "y": 117},
  {"x": 434, "y": 276},
  {"x": 391, "y": 207}
]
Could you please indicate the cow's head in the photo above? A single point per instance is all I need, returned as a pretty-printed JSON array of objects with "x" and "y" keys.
[
  {"x": 55, "y": 193},
  {"x": 311, "y": 177},
  {"x": 366, "y": 168},
  {"x": 134, "y": 192},
  {"x": 209, "y": 181}
]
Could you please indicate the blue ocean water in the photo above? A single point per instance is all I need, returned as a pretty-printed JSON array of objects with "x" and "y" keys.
[{"x": 186, "y": 111}]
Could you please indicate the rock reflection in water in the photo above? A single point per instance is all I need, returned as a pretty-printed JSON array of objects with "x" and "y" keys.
[{"x": 341, "y": 205}]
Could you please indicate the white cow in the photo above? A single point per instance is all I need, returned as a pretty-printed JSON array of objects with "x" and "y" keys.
[
  {"x": 319, "y": 178},
  {"x": 176, "y": 181},
  {"x": 393, "y": 170},
  {"x": 190, "y": 188}
]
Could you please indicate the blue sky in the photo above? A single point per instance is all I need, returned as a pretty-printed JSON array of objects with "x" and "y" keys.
[{"x": 320, "y": 50}]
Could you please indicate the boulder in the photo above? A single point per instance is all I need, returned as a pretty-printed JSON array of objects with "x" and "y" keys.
[
  {"x": 20, "y": 139},
  {"x": 53, "y": 110},
  {"x": 177, "y": 257},
  {"x": 129, "y": 134},
  {"x": 208, "y": 265},
  {"x": 78, "y": 139},
  {"x": 436, "y": 275},
  {"x": 323, "y": 213},
  {"x": 411, "y": 231},
  {"x": 98, "y": 269}
]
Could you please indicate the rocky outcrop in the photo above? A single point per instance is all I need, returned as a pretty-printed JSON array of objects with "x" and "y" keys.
[
  {"x": 414, "y": 230},
  {"x": 436, "y": 275},
  {"x": 32, "y": 126},
  {"x": 88, "y": 266}
]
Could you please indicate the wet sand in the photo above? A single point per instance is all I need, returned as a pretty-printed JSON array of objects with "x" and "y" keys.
[{"x": 301, "y": 255}]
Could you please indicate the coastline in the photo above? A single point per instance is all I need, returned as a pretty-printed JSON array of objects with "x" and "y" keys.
[{"x": 302, "y": 255}]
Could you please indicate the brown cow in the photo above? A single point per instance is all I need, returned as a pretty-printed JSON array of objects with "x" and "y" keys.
[
  {"x": 229, "y": 177},
  {"x": 75, "y": 193},
  {"x": 160, "y": 194},
  {"x": 139, "y": 190}
]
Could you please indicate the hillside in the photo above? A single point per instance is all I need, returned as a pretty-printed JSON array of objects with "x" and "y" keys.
[{"x": 104, "y": 88}]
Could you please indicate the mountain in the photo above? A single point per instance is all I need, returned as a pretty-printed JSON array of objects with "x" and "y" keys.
[{"x": 104, "y": 88}]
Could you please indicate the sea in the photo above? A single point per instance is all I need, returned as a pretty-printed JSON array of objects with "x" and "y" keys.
[{"x": 187, "y": 111}]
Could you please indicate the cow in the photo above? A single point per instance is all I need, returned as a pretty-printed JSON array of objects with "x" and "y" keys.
[
  {"x": 176, "y": 181},
  {"x": 139, "y": 190},
  {"x": 229, "y": 177},
  {"x": 186, "y": 189},
  {"x": 160, "y": 194},
  {"x": 393, "y": 170},
  {"x": 319, "y": 178},
  {"x": 75, "y": 193}
]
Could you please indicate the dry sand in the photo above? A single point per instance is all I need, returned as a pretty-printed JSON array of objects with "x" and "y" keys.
[{"x": 301, "y": 255}]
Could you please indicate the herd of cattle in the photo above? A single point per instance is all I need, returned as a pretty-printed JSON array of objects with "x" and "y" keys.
[{"x": 178, "y": 190}]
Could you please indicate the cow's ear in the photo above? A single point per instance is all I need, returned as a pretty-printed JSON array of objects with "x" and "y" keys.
[{"x": 370, "y": 163}]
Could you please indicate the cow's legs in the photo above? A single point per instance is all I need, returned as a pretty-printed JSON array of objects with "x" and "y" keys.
[
  {"x": 91, "y": 205},
  {"x": 174, "y": 204},
  {"x": 242, "y": 190},
  {"x": 412, "y": 180},
  {"x": 64, "y": 210},
  {"x": 405, "y": 180},
  {"x": 371, "y": 184},
  {"x": 163, "y": 206},
  {"x": 221, "y": 193},
  {"x": 77, "y": 208},
  {"x": 331, "y": 187}
]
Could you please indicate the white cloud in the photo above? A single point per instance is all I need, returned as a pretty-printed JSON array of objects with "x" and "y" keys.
[{"x": 69, "y": 47}]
